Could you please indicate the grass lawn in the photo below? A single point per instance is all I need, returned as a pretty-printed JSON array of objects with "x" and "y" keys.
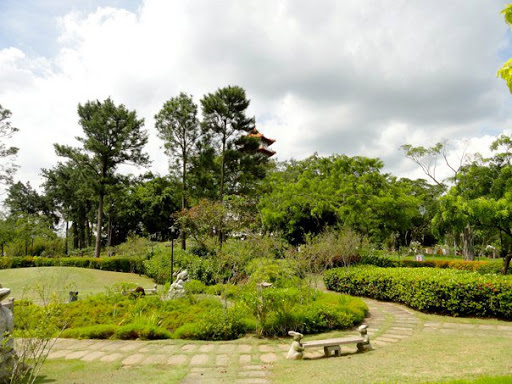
[
  {"x": 79, "y": 372},
  {"x": 423, "y": 358},
  {"x": 37, "y": 282}
]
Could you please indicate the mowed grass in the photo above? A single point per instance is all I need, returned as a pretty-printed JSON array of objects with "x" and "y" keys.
[
  {"x": 425, "y": 357},
  {"x": 38, "y": 282},
  {"x": 94, "y": 372}
]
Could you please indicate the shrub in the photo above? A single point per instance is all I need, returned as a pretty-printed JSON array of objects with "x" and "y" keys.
[
  {"x": 99, "y": 331},
  {"x": 444, "y": 291},
  {"x": 219, "y": 324},
  {"x": 280, "y": 272},
  {"x": 279, "y": 310},
  {"x": 194, "y": 287},
  {"x": 482, "y": 267}
]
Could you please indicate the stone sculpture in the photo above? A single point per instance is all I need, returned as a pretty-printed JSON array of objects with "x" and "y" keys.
[
  {"x": 365, "y": 345},
  {"x": 7, "y": 354},
  {"x": 177, "y": 290},
  {"x": 296, "y": 351}
]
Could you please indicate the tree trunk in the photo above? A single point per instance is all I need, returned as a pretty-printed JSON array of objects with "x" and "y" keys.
[
  {"x": 221, "y": 195},
  {"x": 109, "y": 236},
  {"x": 97, "y": 248},
  {"x": 66, "y": 239},
  {"x": 89, "y": 233},
  {"x": 183, "y": 199},
  {"x": 506, "y": 263},
  {"x": 468, "y": 252},
  {"x": 74, "y": 228}
]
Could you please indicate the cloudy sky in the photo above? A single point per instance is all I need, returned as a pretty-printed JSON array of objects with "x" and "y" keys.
[{"x": 327, "y": 76}]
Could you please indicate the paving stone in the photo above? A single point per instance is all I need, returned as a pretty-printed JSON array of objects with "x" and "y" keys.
[
  {"x": 266, "y": 348},
  {"x": 93, "y": 356},
  {"x": 177, "y": 360},
  {"x": 168, "y": 348},
  {"x": 268, "y": 357},
  {"x": 252, "y": 381},
  {"x": 133, "y": 359},
  {"x": 129, "y": 347},
  {"x": 221, "y": 360},
  {"x": 76, "y": 355},
  {"x": 199, "y": 360},
  {"x": 155, "y": 359},
  {"x": 95, "y": 345},
  {"x": 387, "y": 339},
  {"x": 505, "y": 328},
  {"x": 403, "y": 329},
  {"x": 254, "y": 373},
  {"x": 206, "y": 347},
  {"x": 395, "y": 336},
  {"x": 114, "y": 346},
  {"x": 255, "y": 367},
  {"x": 432, "y": 324},
  {"x": 244, "y": 359},
  {"x": 64, "y": 343},
  {"x": 188, "y": 347},
  {"x": 100, "y": 344},
  {"x": 488, "y": 326},
  {"x": 226, "y": 348},
  {"x": 284, "y": 347},
  {"x": 244, "y": 348},
  {"x": 58, "y": 354},
  {"x": 111, "y": 357}
]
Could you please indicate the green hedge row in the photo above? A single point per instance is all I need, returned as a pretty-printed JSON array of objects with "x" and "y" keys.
[
  {"x": 443, "y": 291},
  {"x": 482, "y": 267},
  {"x": 116, "y": 264}
]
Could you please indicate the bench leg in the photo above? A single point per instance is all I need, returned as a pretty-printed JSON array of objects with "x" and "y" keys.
[{"x": 332, "y": 350}]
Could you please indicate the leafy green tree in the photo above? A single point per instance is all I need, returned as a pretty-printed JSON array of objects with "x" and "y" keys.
[
  {"x": 7, "y": 153},
  {"x": 309, "y": 195},
  {"x": 67, "y": 186},
  {"x": 225, "y": 121},
  {"x": 178, "y": 127},
  {"x": 113, "y": 136},
  {"x": 7, "y": 232},
  {"x": 482, "y": 199}
]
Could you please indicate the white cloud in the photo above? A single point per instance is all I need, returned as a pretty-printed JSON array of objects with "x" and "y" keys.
[{"x": 329, "y": 76}]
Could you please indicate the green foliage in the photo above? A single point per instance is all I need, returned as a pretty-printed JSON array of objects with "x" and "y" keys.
[
  {"x": 7, "y": 167},
  {"x": 115, "y": 264},
  {"x": 113, "y": 136},
  {"x": 310, "y": 195},
  {"x": 450, "y": 292},
  {"x": 194, "y": 287},
  {"x": 280, "y": 272},
  {"x": 278, "y": 310},
  {"x": 218, "y": 324}
]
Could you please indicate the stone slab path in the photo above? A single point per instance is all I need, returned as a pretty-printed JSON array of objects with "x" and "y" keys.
[{"x": 250, "y": 361}]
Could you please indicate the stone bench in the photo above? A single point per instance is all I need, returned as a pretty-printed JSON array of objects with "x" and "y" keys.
[{"x": 331, "y": 346}]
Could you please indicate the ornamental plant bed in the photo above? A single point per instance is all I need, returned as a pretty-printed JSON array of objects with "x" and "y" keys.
[{"x": 449, "y": 292}]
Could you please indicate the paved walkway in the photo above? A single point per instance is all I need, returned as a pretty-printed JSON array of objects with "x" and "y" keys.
[{"x": 243, "y": 361}]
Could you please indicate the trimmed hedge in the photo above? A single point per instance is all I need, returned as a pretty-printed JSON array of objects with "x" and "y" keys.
[
  {"x": 115, "y": 264},
  {"x": 482, "y": 267},
  {"x": 443, "y": 291}
]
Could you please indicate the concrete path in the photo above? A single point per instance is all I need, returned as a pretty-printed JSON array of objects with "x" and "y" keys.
[{"x": 243, "y": 361}]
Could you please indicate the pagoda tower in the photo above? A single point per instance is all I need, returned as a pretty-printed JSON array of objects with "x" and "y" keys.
[{"x": 265, "y": 143}]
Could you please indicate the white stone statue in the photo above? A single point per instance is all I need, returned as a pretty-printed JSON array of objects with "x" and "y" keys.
[
  {"x": 7, "y": 354},
  {"x": 296, "y": 351},
  {"x": 177, "y": 290}
]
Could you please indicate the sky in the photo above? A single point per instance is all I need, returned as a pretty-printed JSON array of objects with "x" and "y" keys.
[{"x": 350, "y": 77}]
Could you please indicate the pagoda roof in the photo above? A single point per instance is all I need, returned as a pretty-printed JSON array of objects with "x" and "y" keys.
[{"x": 255, "y": 133}]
